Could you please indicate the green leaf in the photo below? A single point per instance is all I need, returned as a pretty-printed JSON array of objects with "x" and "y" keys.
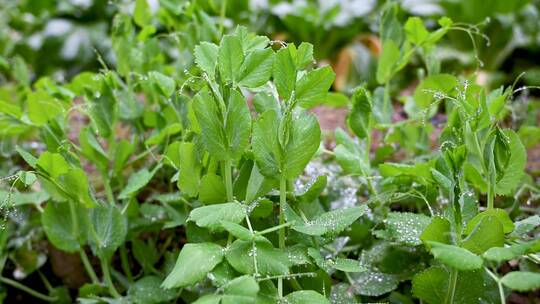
[
  {"x": 110, "y": 228},
  {"x": 142, "y": 15},
  {"x": 193, "y": 263},
  {"x": 521, "y": 280},
  {"x": 438, "y": 231},
  {"x": 514, "y": 170},
  {"x": 313, "y": 87},
  {"x": 209, "y": 299},
  {"x": 525, "y": 226},
  {"x": 406, "y": 227},
  {"x": 165, "y": 83},
  {"x": 212, "y": 189},
  {"x": 42, "y": 107},
  {"x": 431, "y": 285},
  {"x": 147, "y": 290},
  {"x": 373, "y": 283},
  {"x": 284, "y": 72},
  {"x": 190, "y": 169},
  {"x": 500, "y": 214},
  {"x": 415, "y": 30},
  {"x": 28, "y": 158},
  {"x": 59, "y": 227},
  {"x": 313, "y": 190},
  {"x": 12, "y": 109},
  {"x": 103, "y": 110},
  {"x": 230, "y": 57},
  {"x": 206, "y": 57},
  {"x": 304, "y": 141},
  {"x": 360, "y": 114},
  {"x": 304, "y": 55},
  {"x": 306, "y": 296},
  {"x": 389, "y": 57},
  {"x": 75, "y": 182},
  {"x": 212, "y": 216},
  {"x": 256, "y": 69},
  {"x": 331, "y": 222},
  {"x": 270, "y": 261},
  {"x": 238, "y": 231},
  {"x": 348, "y": 265},
  {"x": 350, "y": 155},
  {"x": 168, "y": 131},
  {"x": 501, "y": 254},
  {"x": 441, "y": 83},
  {"x": 265, "y": 144},
  {"x": 211, "y": 122},
  {"x": 456, "y": 257},
  {"x": 488, "y": 233},
  {"x": 242, "y": 289},
  {"x": 52, "y": 163},
  {"x": 237, "y": 125},
  {"x": 136, "y": 182}
]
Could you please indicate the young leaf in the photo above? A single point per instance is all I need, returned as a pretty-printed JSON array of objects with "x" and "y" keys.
[
  {"x": 193, "y": 263},
  {"x": 110, "y": 228},
  {"x": 53, "y": 163},
  {"x": 456, "y": 257},
  {"x": 142, "y": 15},
  {"x": 360, "y": 114},
  {"x": 304, "y": 141},
  {"x": 500, "y": 214},
  {"x": 521, "y": 280},
  {"x": 42, "y": 107},
  {"x": 525, "y": 226},
  {"x": 515, "y": 166},
  {"x": 313, "y": 87},
  {"x": 237, "y": 125},
  {"x": 415, "y": 30},
  {"x": 165, "y": 83},
  {"x": 188, "y": 181},
  {"x": 265, "y": 144},
  {"x": 304, "y": 55},
  {"x": 387, "y": 61},
  {"x": 256, "y": 69},
  {"x": 438, "y": 231},
  {"x": 206, "y": 56},
  {"x": 136, "y": 182},
  {"x": 212, "y": 189},
  {"x": 284, "y": 72},
  {"x": 212, "y": 216},
  {"x": 488, "y": 233},
  {"x": 230, "y": 57},
  {"x": 501, "y": 254}
]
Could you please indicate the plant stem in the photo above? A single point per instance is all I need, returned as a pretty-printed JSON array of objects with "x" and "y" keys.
[
  {"x": 222, "y": 15},
  {"x": 28, "y": 290},
  {"x": 490, "y": 195},
  {"x": 88, "y": 267},
  {"x": 272, "y": 229},
  {"x": 282, "y": 201},
  {"x": 452, "y": 287},
  {"x": 227, "y": 167},
  {"x": 125, "y": 263},
  {"x": 499, "y": 285},
  {"x": 108, "y": 280},
  {"x": 74, "y": 219}
]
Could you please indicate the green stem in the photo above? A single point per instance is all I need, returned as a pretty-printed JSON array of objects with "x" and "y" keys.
[
  {"x": 227, "y": 167},
  {"x": 452, "y": 287},
  {"x": 74, "y": 219},
  {"x": 222, "y": 15},
  {"x": 88, "y": 267},
  {"x": 125, "y": 263},
  {"x": 108, "y": 280},
  {"x": 490, "y": 195},
  {"x": 282, "y": 201},
  {"x": 386, "y": 101},
  {"x": 499, "y": 285},
  {"x": 107, "y": 186},
  {"x": 272, "y": 229},
  {"x": 28, "y": 290}
]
